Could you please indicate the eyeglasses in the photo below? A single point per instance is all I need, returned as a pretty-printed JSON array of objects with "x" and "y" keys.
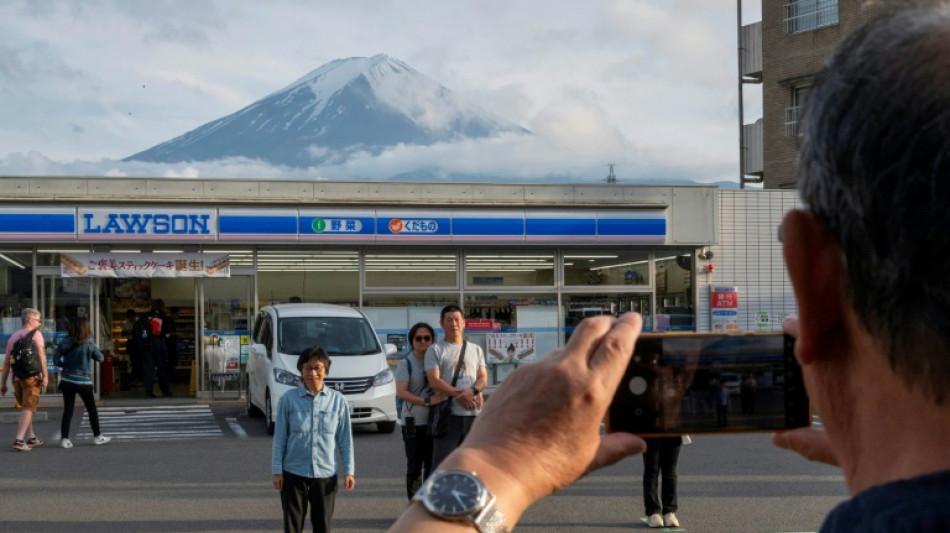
[
  {"x": 313, "y": 368},
  {"x": 422, "y": 338}
]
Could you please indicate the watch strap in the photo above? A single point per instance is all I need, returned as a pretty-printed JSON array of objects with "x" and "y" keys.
[{"x": 491, "y": 520}]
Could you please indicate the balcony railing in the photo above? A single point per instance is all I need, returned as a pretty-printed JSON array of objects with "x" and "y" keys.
[
  {"x": 791, "y": 126},
  {"x": 807, "y": 15}
]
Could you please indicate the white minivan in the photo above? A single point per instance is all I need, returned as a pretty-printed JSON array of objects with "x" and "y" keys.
[{"x": 358, "y": 366}]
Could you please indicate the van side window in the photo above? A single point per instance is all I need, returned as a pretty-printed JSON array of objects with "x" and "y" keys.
[{"x": 267, "y": 336}]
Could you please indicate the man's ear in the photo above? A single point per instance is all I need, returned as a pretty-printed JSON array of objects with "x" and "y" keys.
[{"x": 816, "y": 269}]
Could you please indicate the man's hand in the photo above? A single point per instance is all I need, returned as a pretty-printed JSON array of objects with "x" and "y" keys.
[
  {"x": 349, "y": 482},
  {"x": 466, "y": 398},
  {"x": 811, "y": 443},
  {"x": 279, "y": 481},
  {"x": 541, "y": 429}
]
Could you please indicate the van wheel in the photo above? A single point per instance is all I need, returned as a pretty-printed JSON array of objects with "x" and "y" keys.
[
  {"x": 268, "y": 415},
  {"x": 386, "y": 427},
  {"x": 252, "y": 409}
]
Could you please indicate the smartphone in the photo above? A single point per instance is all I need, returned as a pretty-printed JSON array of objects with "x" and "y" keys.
[{"x": 710, "y": 383}]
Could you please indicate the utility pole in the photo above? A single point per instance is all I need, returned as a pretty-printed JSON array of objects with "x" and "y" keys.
[{"x": 611, "y": 177}]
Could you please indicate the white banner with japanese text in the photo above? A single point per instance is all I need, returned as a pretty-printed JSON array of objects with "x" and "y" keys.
[
  {"x": 510, "y": 347},
  {"x": 144, "y": 265}
]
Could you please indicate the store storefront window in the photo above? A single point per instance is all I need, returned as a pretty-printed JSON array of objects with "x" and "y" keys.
[
  {"x": 325, "y": 276},
  {"x": 674, "y": 292},
  {"x": 226, "y": 335},
  {"x": 393, "y": 314},
  {"x": 577, "y": 307},
  {"x": 606, "y": 267},
  {"x": 16, "y": 289},
  {"x": 511, "y": 328},
  {"x": 509, "y": 269},
  {"x": 431, "y": 268}
]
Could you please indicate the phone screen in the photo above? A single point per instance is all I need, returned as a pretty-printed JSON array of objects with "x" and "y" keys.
[{"x": 710, "y": 383}]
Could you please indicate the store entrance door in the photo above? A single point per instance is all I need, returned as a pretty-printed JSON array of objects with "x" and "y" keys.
[{"x": 122, "y": 302}]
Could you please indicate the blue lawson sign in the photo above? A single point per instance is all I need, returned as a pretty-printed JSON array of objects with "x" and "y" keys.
[
  {"x": 152, "y": 223},
  {"x": 202, "y": 224}
]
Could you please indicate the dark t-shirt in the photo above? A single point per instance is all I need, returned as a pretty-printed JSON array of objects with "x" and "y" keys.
[{"x": 918, "y": 505}]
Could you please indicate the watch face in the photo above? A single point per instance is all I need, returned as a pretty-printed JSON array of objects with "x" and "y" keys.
[{"x": 454, "y": 494}]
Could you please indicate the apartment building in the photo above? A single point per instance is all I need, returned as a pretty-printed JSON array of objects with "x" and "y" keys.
[{"x": 784, "y": 52}]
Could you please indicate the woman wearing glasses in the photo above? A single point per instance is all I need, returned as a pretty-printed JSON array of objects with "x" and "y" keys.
[{"x": 412, "y": 387}]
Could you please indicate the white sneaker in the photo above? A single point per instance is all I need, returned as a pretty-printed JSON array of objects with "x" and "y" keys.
[
  {"x": 655, "y": 520},
  {"x": 669, "y": 520},
  {"x": 100, "y": 440},
  {"x": 66, "y": 443}
]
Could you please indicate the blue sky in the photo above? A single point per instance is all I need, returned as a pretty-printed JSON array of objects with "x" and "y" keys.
[{"x": 649, "y": 85}]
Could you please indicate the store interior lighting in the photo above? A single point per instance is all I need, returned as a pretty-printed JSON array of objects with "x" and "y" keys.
[{"x": 12, "y": 261}]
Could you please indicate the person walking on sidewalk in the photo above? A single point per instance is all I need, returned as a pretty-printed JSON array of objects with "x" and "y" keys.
[
  {"x": 26, "y": 389},
  {"x": 76, "y": 354}
]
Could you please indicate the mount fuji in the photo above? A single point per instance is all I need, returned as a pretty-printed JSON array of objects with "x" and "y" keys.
[{"x": 345, "y": 107}]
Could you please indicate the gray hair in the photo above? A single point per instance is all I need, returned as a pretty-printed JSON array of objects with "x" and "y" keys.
[
  {"x": 28, "y": 313},
  {"x": 874, "y": 170}
]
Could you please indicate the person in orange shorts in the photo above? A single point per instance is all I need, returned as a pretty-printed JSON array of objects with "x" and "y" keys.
[{"x": 26, "y": 389}]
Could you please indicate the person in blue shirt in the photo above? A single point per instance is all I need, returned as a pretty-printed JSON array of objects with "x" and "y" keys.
[
  {"x": 76, "y": 354},
  {"x": 311, "y": 430}
]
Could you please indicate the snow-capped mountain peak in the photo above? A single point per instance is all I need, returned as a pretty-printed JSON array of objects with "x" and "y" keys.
[{"x": 346, "y": 105}]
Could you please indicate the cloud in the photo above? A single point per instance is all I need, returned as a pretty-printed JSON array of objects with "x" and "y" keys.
[{"x": 557, "y": 154}]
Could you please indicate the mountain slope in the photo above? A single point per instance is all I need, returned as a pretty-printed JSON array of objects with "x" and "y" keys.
[{"x": 346, "y": 106}]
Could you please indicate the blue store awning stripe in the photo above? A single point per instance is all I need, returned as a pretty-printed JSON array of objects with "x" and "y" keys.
[
  {"x": 258, "y": 225},
  {"x": 566, "y": 226},
  {"x": 37, "y": 223},
  {"x": 488, "y": 226},
  {"x": 631, "y": 226}
]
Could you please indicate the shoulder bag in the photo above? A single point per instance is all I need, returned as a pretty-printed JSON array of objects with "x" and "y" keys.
[{"x": 439, "y": 415}]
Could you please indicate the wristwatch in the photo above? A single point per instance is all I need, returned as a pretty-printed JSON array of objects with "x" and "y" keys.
[
  {"x": 457, "y": 496},
  {"x": 475, "y": 391}
]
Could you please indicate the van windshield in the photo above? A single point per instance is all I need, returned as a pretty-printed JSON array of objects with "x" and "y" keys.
[{"x": 336, "y": 335}]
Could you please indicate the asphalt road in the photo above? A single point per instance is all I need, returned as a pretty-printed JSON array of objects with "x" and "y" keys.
[{"x": 219, "y": 481}]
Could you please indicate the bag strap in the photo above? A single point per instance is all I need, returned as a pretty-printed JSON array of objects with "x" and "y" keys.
[{"x": 461, "y": 361}]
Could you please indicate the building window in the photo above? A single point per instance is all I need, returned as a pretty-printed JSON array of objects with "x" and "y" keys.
[
  {"x": 615, "y": 267},
  {"x": 792, "y": 124},
  {"x": 808, "y": 15},
  {"x": 484, "y": 268}
]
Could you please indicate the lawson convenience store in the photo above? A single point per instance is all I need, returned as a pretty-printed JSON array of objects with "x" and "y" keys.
[{"x": 522, "y": 260}]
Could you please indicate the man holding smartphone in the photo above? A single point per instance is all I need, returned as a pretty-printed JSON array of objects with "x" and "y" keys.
[{"x": 868, "y": 260}]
